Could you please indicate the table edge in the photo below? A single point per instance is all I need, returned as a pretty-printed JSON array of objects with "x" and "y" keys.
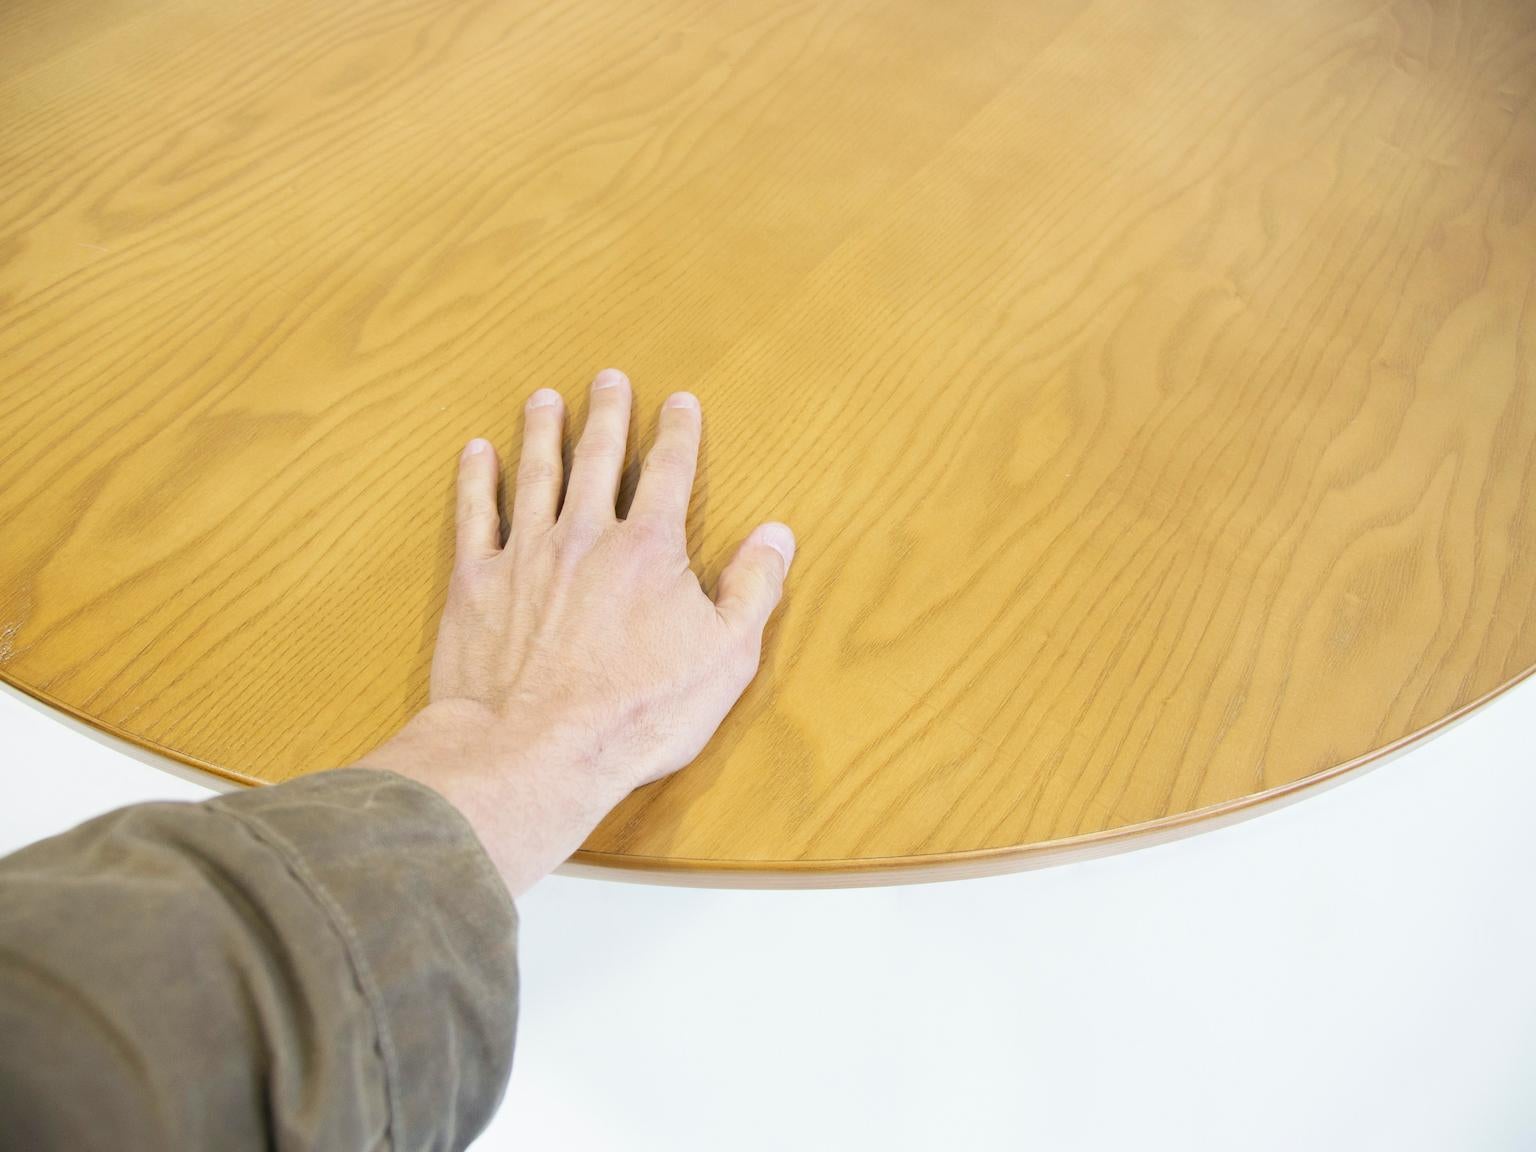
[{"x": 686, "y": 872}]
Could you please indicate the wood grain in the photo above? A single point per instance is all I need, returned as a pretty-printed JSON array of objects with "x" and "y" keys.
[{"x": 1152, "y": 384}]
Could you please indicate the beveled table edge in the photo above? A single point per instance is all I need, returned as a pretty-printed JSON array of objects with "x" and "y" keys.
[{"x": 683, "y": 872}]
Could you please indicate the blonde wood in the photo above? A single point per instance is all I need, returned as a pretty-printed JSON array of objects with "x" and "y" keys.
[{"x": 1152, "y": 383}]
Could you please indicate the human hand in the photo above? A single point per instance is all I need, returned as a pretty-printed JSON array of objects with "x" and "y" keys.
[{"x": 581, "y": 658}]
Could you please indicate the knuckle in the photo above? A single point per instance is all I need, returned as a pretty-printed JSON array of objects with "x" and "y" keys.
[
  {"x": 668, "y": 462},
  {"x": 758, "y": 584},
  {"x": 747, "y": 651},
  {"x": 659, "y": 533},
  {"x": 483, "y": 521},
  {"x": 467, "y": 583},
  {"x": 578, "y": 536},
  {"x": 642, "y": 529},
  {"x": 537, "y": 471},
  {"x": 478, "y": 528},
  {"x": 771, "y": 575},
  {"x": 530, "y": 540},
  {"x": 599, "y": 446}
]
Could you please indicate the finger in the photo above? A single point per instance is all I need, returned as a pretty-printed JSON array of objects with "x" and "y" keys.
[
  {"x": 753, "y": 582},
  {"x": 475, "y": 515},
  {"x": 666, "y": 480},
  {"x": 599, "y": 455},
  {"x": 540, "y": 472}
]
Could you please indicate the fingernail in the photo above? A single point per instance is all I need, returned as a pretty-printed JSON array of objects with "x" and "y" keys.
[
  {"x": 544, "y": 398},
  {"x": 609, "y": 378},
  {"x": 780, "y": 539},
  {"x": 476, "y": 446},
  {"x": 682, "y": 400}
]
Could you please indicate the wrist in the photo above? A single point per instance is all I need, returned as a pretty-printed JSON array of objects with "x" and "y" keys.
[
  {"x": 531, "y": 794},
  {"x": 438, "y": 739}
]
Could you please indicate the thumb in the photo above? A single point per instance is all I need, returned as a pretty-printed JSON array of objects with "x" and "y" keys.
[{"x": 751, "y": 584}]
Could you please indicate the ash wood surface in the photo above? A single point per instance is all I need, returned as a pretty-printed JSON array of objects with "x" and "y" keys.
[{"x": 1152, "y": 383}]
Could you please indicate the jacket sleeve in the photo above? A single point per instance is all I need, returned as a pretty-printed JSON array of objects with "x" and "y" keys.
[{"x": 328, "y": 963}]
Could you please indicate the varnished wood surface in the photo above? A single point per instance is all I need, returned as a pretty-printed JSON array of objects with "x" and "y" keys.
[{"x": 1152, "y": 385}]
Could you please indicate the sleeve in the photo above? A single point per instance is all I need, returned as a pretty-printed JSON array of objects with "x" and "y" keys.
[{"x": 328, "y": 963}]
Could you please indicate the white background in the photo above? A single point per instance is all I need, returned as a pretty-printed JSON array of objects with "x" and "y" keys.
[{"x": 1355, "y": 971}]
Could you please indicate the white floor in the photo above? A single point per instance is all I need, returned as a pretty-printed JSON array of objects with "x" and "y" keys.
[{"x": 1356, "y": 971}]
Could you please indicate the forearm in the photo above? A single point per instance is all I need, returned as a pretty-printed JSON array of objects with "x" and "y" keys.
[
  {"x": 533, "y": 793},
  {"x": 325, "y": 963}
]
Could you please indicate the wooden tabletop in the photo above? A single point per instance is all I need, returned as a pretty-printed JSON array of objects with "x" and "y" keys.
[{"x": 1151, "y": 384}]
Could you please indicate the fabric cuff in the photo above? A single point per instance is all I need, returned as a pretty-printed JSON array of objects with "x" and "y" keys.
[{"x": 429, "y": 926}]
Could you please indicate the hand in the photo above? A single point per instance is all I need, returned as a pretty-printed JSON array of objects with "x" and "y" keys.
[{"x": 580, "y": 658}]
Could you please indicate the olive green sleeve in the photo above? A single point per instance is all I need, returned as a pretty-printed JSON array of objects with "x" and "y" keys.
[{"x": 328, "y": 963}]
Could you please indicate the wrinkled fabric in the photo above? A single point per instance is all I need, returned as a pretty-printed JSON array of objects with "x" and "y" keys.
[{"x": 328, "y": 963}]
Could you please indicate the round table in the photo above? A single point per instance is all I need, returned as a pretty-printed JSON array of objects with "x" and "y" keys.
[{"x": 1152, "y": 385}]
